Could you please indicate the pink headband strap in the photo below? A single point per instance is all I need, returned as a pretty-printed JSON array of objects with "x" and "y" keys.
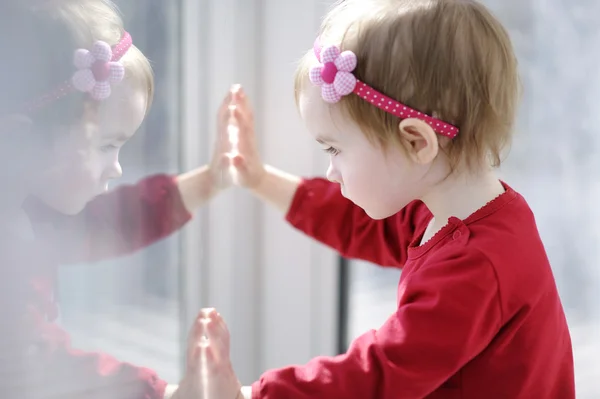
[
  {"x": 334, "y": 76},
  {"x": 97, "y": 69}
]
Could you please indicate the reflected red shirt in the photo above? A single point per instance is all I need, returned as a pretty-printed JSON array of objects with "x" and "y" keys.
[{"x": 37, "y": 360}]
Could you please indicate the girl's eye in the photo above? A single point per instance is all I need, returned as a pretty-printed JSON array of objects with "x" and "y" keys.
[
  {"x": 109, "y": 148},
  {"x": 331, "y": 150}
]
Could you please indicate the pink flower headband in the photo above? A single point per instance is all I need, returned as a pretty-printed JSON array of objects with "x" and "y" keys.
[
  {"x": 334, "y": 76},
  {"x": 97, "y": 69}
]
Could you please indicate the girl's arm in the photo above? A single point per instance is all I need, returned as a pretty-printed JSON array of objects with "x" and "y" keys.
[
  {"x": 73, "y": 374},
  {"x": 317, "y": 208},
  {"x": 126, "y": 219}
]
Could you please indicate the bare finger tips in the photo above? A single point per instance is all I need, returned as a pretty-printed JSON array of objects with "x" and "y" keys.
[
  {"x": 239, "y": 162},
  {"x": 207, "y": 313}
]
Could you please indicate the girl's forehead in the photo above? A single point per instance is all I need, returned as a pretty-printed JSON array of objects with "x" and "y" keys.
[
  {"x": 125, "y": 109},
  {"x": 310, "y": 101},
  {"x": 323, "y": 119},
  {"x": 319, "y": 116}
]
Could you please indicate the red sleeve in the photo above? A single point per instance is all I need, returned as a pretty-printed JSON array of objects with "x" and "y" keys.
[
  {"x": 36, "y": 358},
  {"x": 72, "y": 374},
  {"x": 449, "y": 312},
  {"x": 119, "y": 222},
  {"x": 319, "y": 210},
  {"x": 99, "y": 376}
]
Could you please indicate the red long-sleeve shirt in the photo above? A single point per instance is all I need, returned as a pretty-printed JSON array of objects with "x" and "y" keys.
[
  {"x": 36, "y": 359},
  {"x": 478, "y": 312}
]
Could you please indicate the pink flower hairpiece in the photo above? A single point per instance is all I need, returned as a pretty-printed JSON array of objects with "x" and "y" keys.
[
  {"x": 97, "y": 69},
  {"x": 334, "y": 75}
]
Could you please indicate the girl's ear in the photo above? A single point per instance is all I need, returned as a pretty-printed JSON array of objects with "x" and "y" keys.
[
  {"x": 16, "y": 135},
  {"x": 420, "y": 139},
  {"x": 19, "y": 148}
]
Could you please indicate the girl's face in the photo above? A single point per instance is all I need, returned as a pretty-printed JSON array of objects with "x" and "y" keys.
[
  {"x": 380, "y": 181},
  {"x": 84, "y": 160}
]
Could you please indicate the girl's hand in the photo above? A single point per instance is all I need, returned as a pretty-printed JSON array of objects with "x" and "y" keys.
[
  {"x": 246, "y": 161},
  {"x": 220, "y": 163}
]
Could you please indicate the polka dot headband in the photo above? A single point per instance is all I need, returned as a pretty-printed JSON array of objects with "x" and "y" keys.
[
  {"x": 334, "y": 75},
  {"x": 97, "y": 69}
]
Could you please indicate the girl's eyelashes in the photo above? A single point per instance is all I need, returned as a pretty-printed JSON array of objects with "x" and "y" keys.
[{"x": 331, "y": 150}]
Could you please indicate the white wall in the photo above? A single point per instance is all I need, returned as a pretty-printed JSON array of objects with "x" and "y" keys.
[{"x": 276, "y": 288}]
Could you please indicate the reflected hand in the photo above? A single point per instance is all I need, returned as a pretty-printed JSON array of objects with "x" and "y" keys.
[
  {"x": 209, "y": 373},
  {"x": 220, "y": 163}
]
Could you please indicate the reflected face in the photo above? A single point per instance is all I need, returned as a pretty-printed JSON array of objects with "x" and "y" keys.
[{"x": 85, "y": 159}]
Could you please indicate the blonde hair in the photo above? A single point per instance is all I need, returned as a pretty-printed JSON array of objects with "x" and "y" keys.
[
  {"x": 42, "y": 38},
  {"x": 448, "y": 58},
  {"x": 100, "y": 20}
]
